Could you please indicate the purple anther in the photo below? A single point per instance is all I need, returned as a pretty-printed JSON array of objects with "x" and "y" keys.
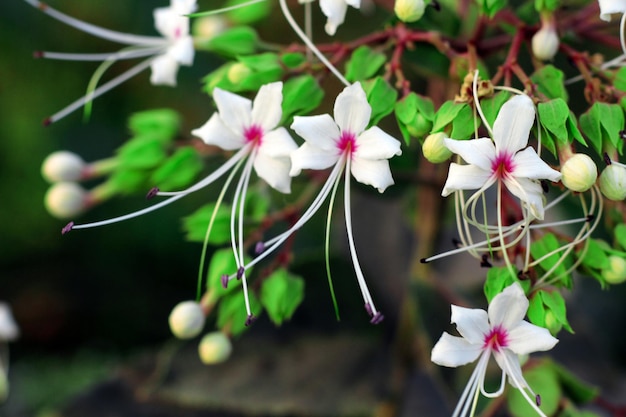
[
  {"x": 47, "y": 121},
  {"x": 622, "y": 134},
  {"x": 259, "y": 248},
  {"x": 225, "y": 281},
  {"x": 590, "y": 217},
  {"x": 456, "y": 242},
  {"x": 607, "y": 158},
  {"x": 484, "y": 263},
  {"x": 67, "y": 228},
  {"x": 250, "y": 319},
  {"x": 152, "y": 193},
  {"x": 240, "y": 272},
  {"x": 378, "y": 317},
  {"x": 424, "y": 261},
  {"x": 38, "y": 54},
  {"x": 368, "y": 308},
  {"x": 435, "y": 5},
  {"x": 544, "y": 186},
  {"x": 538, "y": 400}
]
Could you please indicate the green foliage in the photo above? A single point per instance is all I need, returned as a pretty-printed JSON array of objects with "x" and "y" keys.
[
  {"x": 547, "y": 309},
  {"x": 281, "y": 294},
  {"x": 222, "y": 263},
  {"x": 231, "y": 314},
  {"x": 620, "y": 235},
  {"x": 491, "y": 7},
  {"x": 576, "y": 390},
  {"x": 456, "y": 118},
  {"x": 559, "y": 125},
  {"x": 594, "y": 259},
  {"x": 602, "y": 124},
  {"x": 248, "y": 74},
  {"x": 549, "y": 82},
  {"x": 301, "y": 95},
  {"x": 498, "y": 278},
  {"x": 142, "y": 152},
  {"x": 544, "y": 380},
  {"x": 293, "y": 59},
  {"x": 381, "y": 96},
  {"x": 195, "y": 225},
  {"x": 125, "y": 181},
  {"x": 240, "y": 40},
  {"x": 547, "y": 5},
  {"x": 179, "y": 170},
  {"x": 619, "y": 81},
  {"x": 364, "y": 63},
  {"x": 249, "y": 14},
  {"x": 415, "y": 115},
  {"x": 491, "y": 106},
  {"x": 162, "y": 124},
  {"x": 546, "y": 251}
]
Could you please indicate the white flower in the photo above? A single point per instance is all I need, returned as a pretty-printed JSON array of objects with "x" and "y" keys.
[
  {"x": 501, "y": 331},
  {"x": 506, "y": 159},
  {"x": 335, "y": 11},
  {"x": 8, "y": 328},
  {"x": 608, "y": 7},
  {"x": 165, "y": 53}
]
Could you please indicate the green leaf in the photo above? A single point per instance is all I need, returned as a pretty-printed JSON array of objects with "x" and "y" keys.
[
  {"x": 142, "y": 152},
  {"x": 595, "y": 257},
  {"x": 126, "y": 181},
  {"x": 555, "y": 302},
  {"x": 543, "y": 380},
  {"x": 619, "y": 81},
  {"x": 179, "y": 170},
  {"x": 446, "y": 114},
  {"x": 232, "y": 311},
  {"x": 293, "y": 59},
  {"x": 240, "y": 40},
  {"x": 252, "y": 71},
  {"x": 491, "y": 106},
  {"x": 491, "y": 7},
  {"x": 548, "y": 141},
  {"x": 463, "y": 124},
  {"x": 414, "y": 114},
  {"x": 281, "y": 294},
  {"x": 576, "y": 390},
  {"x": 498, "y": 278},
  {"x": 602, "y": 124},
  {"x": 162, "y": 124},
  {"x": 381, "y": 96},
  {"x": 549, "y": 81},
  {"x": 590, "y": 126},
  {"x": 620, "y": 235},
  {"x": 546, "y": 245},
  {"x": 251, "y": 13},
  {"x": 546, "y": 5},
  {"x": 573, "y": 131},
  {"x": 195, "y": 225},
  {"x": 301, "y": 95},
  {"x": 222, "y": 263},
  {"x": 553, "y": 115},
  {"x": 364, "y": 63}
]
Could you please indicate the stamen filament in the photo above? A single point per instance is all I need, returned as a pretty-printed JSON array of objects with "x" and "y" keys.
[{"x": 116, "y": 56}]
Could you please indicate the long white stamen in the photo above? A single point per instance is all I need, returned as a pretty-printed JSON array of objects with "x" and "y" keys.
[
  {"x": 125, "y": 38},
  {"x": 470, "y": 393},
  {"x": 116, "y": 56},
  {"x": 496, "y": 393},
  {"x": 520, "y": 385},
  {"x": 310, "y": 44},
  {"x": 477, "y": 102},
  {"x": 100, "y": 90}
]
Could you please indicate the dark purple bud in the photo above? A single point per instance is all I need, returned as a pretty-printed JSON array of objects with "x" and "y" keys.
[
  {"x": 378, "y": 317},
  {"x": 368, "y": 309},
  {"x": 538, "y": 400},
  {"x": 622, "y": 134},
  {"x": 152, "y": 193},
  {"x": 259, "y": 248},
  {"x": 484, "y": 263},
  {"x": 251, "y": 319},
  {"x": 47, "y": 121},
  {"x": 67, "y": 228},
  {"x": 240, "y": 272},
  {"x": 435, "y": 4},
  {"x": 607, "y": 159},
  {"x": 523, "y": 275},
  {"x": 225, "y": 281}
]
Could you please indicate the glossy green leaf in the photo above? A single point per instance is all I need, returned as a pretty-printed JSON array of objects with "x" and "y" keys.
[
  {"x": 251, "y": 13},
  {"x": 463, "y": 124},
  {"x": 574, "y": 388},
  {"x": 281, "y": 294},
  {"x": 553, "y": 116},
  {"x": 498, "y": 278},
  {"x": 240, "y": 40},
  {"x": 620, "y": 235},
  {"x": 556, "y": 304},
  {"x": 142, "y": 152},
  {"x": 231, "y": 313},
  {"x": 551, "y": 259},
  {"x": 414, "y": 114},
  {"x": 301, "y": 95},
  {"x": 549, "y": 82},
  {"x": 222, "y": 263},
  {"x": 594, "y": 257},
  {"x": 491, "y": 106},
  {"x": 381, "y": 96},
  {"x": 162, "y": 124},
  {"x": 195, "y": 225},
  {"x": 128, "y": 181},
  {"x": 179, "y": 170},
  {"x": 446, "y": 114},
  {"x": 619, "y": 81},
  {"x": 293, "y": 59},
  {"x": 364, "y": 64}
]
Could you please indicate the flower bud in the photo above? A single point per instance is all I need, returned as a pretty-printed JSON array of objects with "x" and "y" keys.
[
  {"x": 434, "y": 148},
  {"x": 579, "y": 172},
  {"x": 409, "y": 10},
  {"x": 8, "y": 327},
  {"x": 187, "y": 320},
  {"x": 206, "y": 27},
  {"x": 616, "y": 273},
  {"x": 65, "y": 199},
  {"x": 238, "y": 72},
  {"x": 613, "y": 182},
  {"x": 545, "y": 43},
  {"x": 214, "y": 348},
  {"x": 62, "y": 166}
]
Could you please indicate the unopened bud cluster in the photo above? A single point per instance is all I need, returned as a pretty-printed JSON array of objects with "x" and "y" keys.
[{"x": 65, "y": 198}]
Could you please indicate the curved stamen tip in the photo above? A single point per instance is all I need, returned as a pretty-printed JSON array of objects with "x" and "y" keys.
[
  {"x": 250, "y": 319},
  {"x": 456, "y": 242},
  {"x": 544, "y": 186},
  {"x": 538, "y": 400},
  {"x": 38, "y": 54},
  {"x": 522, "y": 275},
  {"x": 225, "y": 281},
  {"x": 68, "y": 228},
  {"x": 240, "y": 272},
  {"x": 424, "y": 260},
  {"x": 590, "y": 217},
  {"x": 152, "y": 193},
  {"x": 484, "y": 263},
  {"x": 368, "y": 309},
  {"x": 378, "y": 317},
  {"x": 47, "y": 121},
  {"x": 607, "y": 159},
  {"x": 259, "y": 248}
]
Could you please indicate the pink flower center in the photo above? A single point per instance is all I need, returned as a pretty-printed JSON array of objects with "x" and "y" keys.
[
  {"x": 347, "y": 143},
  {"x": 253, "y": 134},
  {"x": 503, "y": 165},
  {"x": 496, "y": 338}
]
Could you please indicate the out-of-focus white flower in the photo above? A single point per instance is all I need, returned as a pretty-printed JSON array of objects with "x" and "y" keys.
[
  {"x": 545, "y": 42},
  {"x": 609, "y": 7},
  {"x": 8, "y": 333},
  {"x": 616, "y": 272},
  {"x": 434, "y": 148},
  {"x": 66, "y": 199},
  {"x": 62, "y": 166},
  {"x": 214, "y": 348}
]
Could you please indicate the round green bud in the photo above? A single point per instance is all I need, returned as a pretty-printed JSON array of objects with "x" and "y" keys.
[
  {"x": 545, "y": 43},
  {"x": 206, "y": 27},
  {"x": 419, "y": 126},
  {"x": 613, "y": 182},
  {"x": 214, "y": 348},
  {"x": 65, "y": 199},
  {"x": 579, "y": 173},
  {"x": 616, "y": 273},
  {"x": 409, "y": 10},
  {"x": 62, "y": 166},
  {"x": 187, "y": 320},
  {"x": 238, "y": 72},
  {"x": 434, "y": 148}
]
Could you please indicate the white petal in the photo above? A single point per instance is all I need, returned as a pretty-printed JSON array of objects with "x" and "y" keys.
[
  {"x": 182, "y": 51},
  {"x": 319, "y": 131},
  {"x": 277, "y": 143},
  {"x": 529, "y": 192},
  {"x": 275, "y": 171},
  {"x": 465, "y": 177},
  {"x": 8, "y": 327},
  {"x": 215, "y": 132},
  {"x": 513, "y": 123},
  {"x": 183, "y": 7},
  {"x": 311, "y": 157},
  {"x": 508, "y": 308},
  {"x": 509, "y": 363},
  {"x": 376, "y": 144},
  {"x": 267, "y": 107},
  {"x": 354, "y": 3},
  {"x": 608, "y": 7},
  {"x": 527, "y": 338},
  {"x": 480, "y": 152},
  {"x": 352, "y": 111},
  {"x": 170, "y": 23},
  {"x": 234, "y": 110},
  {"x": 374, "y": 173},
  {"x": 335, "y": 11},
  {"x": 454, "y": 351},
  {"x": 471, "y": 323},
  {"x": 527, "y": 164},
  {"x": 164, "y": 70}
]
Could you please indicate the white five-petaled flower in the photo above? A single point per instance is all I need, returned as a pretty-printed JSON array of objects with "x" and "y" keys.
[
  {"x": 608, "y": 7},
  {"x": 165, "y": 53},
  {"x": 507, "y": 159},
  {"x": 501, "y": 331},
  {"x": 335, "y": 11}
]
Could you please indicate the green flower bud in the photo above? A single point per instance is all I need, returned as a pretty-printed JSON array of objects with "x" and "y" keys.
[
  {"x": 579, "y": 172},
  {"x": 62, "y": 166},
  {"x": 187, "y": 320},
  {"x": 419, "y": 126},
  {"x": 238, "y": 72},
  {"x": 545, "y": 43},
  {"x": 613, "y": 182},
  {"x": 434, "y": 149},
  {"x": 214, "y": 348},
  {"x": 65, "y": 199},
  {"x": 409, "y": 10},
  {"x": 616, "y": 273},
  {"x": 206, "y": 27}
]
